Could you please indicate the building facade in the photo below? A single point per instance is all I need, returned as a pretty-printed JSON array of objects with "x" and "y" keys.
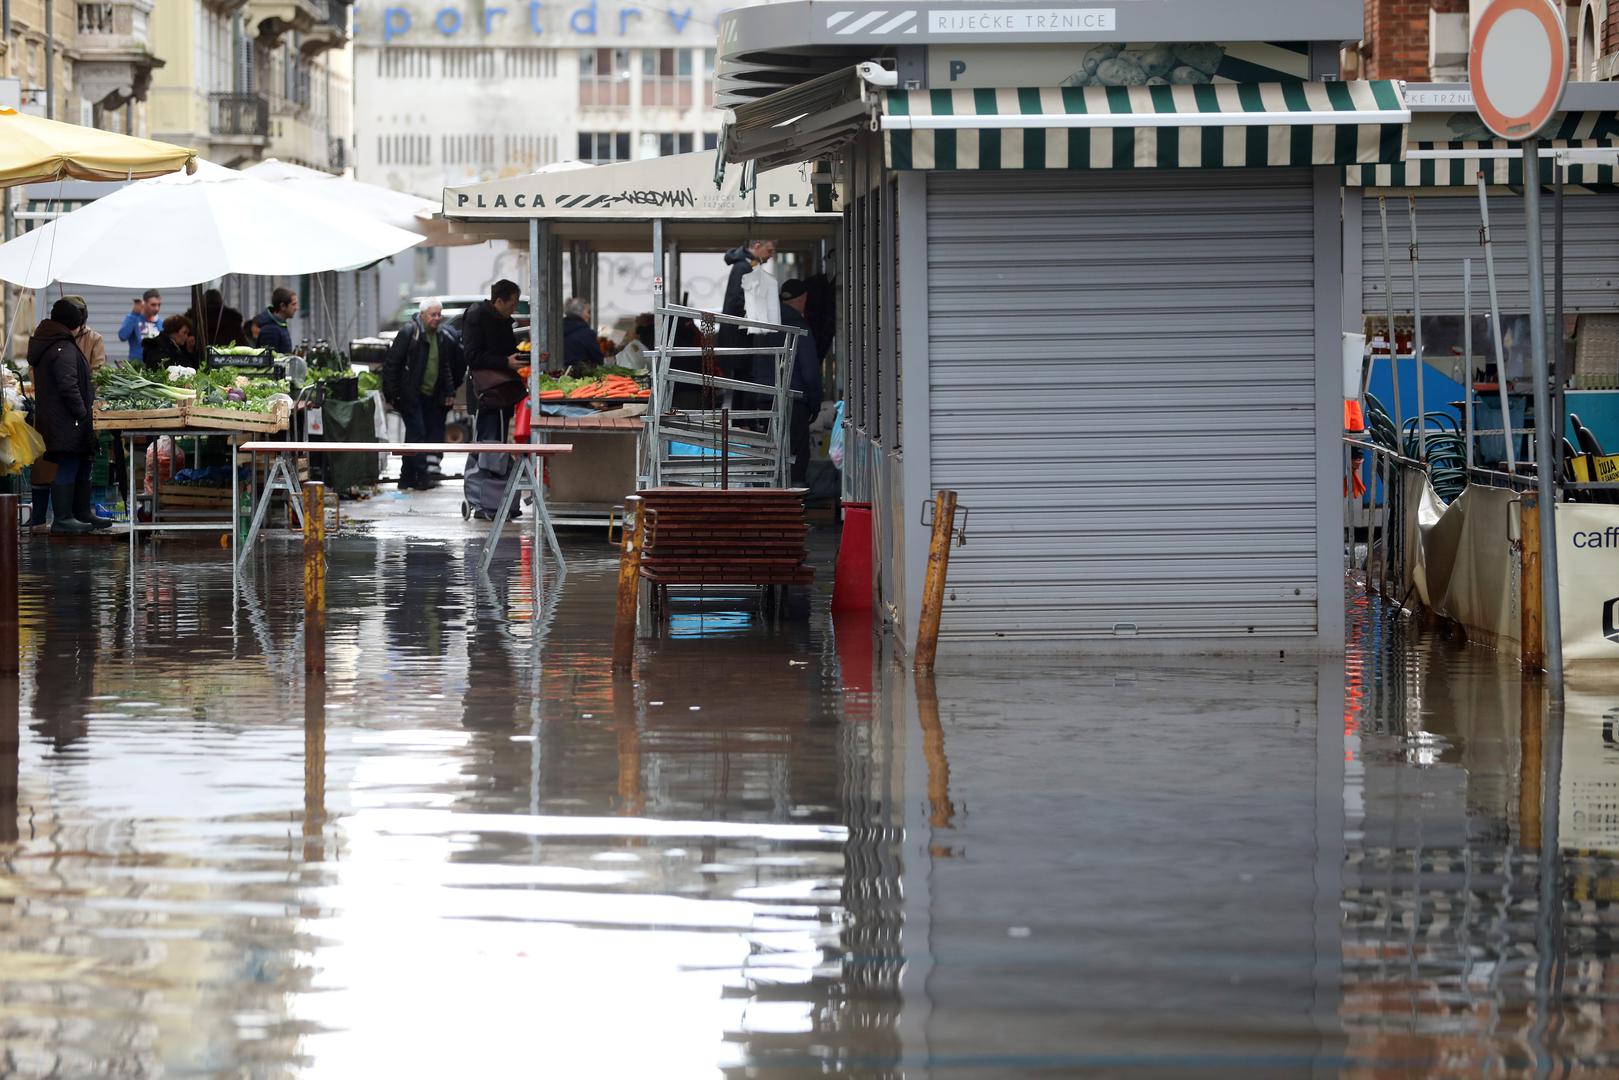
[
  {"x": 1426, "y": 40},
  {"x": 249, "y": 81},
  {"x": 448, "y": 94},
  {"x": 102, "y": 60}
]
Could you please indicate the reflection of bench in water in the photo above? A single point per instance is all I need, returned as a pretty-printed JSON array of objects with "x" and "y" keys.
[{"x": 524, "y": 479}]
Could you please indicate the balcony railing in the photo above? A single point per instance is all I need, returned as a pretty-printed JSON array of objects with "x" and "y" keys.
[{"x": 243, "y": 115}]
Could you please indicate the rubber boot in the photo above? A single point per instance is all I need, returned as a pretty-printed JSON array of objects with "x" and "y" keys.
[
  {"x": 82, "y": 510},
  {"x": 40, "y": 519},
  {"x": 62, "y": 505}
]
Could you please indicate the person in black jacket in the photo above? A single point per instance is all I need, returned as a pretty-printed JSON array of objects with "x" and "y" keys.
[
  {"x": 63, "y": 396},
  {"x": 806, "y": 377},
  {"x": 419, "y": 380},
  {"x": 580, "y": 347},
  {"x": 489, "y": 345},
  {"x": 175, "y": 345}
]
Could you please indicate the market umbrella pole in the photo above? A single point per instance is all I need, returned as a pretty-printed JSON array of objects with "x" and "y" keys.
[{"x": 1545, "y": 481}]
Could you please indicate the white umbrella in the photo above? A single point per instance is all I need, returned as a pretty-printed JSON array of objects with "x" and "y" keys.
[
  {"x": 181, "y": 230},
  {"x": 400, "y": 209}
]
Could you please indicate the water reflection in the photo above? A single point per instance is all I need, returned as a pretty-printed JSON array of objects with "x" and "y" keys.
[
  {"x": 470, "y": 849},
  {"x": 1481, "y": 850}
]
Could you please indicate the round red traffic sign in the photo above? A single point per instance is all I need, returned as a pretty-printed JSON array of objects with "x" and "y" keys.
[{"x": 1518, "y": 66}]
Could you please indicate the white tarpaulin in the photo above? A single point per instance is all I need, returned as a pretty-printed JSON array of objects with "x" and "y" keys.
[
  {"x": 679, "y": 186},
  {"x": 1588, "y": 580},
  {"x": 1468, "y": 571}
]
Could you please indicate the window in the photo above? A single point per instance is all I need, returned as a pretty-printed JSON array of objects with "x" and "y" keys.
[
  {"x": 598, "y": 147},
  {"x": 604, "y": 78},
  {"x": 666, "y": 78},
  {"x": 711, "y": 140},
  {"x": 708, "y": 76},
  {"x": 531, "y": 63},
  {"x": 469, "y": 64},
  {"x": 674, "y": 143},
  {"x": 529, "y": 151}
]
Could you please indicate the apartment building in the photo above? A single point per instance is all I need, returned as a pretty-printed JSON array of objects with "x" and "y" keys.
[
  {"x": 256, "y": 79},
  {"x": 448, "y": 94}
]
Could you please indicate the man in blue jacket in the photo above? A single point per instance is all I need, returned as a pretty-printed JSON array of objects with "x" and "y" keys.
[
  {"x": 141, "y": 323},
  {"x": 272, "y": 321}
]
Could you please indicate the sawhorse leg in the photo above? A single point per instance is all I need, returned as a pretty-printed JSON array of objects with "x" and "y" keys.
[
  {"x": 280, "y": 478},
  {"x": 523, "y": 478}
]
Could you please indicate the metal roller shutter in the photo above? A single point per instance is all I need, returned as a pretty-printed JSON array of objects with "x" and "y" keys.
[
  {"x": 1123, "y": 393},
  {"x": 1448, "y": 228}
]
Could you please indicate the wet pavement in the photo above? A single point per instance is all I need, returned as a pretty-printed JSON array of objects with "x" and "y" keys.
[{"x": 469, "y": 851}]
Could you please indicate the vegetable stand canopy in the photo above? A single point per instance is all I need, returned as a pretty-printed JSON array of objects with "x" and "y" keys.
[
  {"x": 36, "y": 150},
  {"x": 176, "y": 231}
]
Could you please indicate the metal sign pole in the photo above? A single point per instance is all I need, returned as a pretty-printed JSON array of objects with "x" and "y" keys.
[{"x": 1544, "y": 480}]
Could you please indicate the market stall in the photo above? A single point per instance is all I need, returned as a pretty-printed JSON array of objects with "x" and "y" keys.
[
  {"x": 34, "y": 149},
  {"x": 665, "y": 206},
  {"x": 213, "y": 223}
]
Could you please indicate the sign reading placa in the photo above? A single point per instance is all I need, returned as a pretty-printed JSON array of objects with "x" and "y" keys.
[{"x": 1518, "y": 66}]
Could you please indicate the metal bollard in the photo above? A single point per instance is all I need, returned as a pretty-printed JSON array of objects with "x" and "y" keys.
[
  {"x": 314, "y": 576},
  {"x": 8, "y": 585},
  {"x": 944, "y": 527},
  {"x": 629, "y": 582}
]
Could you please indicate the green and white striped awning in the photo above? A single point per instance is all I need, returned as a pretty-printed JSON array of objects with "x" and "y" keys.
[
  {"x": 1501, "y": 168},
  {"x": 1147, "y": 127}
]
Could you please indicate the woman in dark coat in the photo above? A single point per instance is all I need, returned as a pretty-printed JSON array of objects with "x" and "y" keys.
[{"x": 63, "y": 396}]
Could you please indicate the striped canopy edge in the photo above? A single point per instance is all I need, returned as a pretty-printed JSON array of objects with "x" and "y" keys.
[
  {"x": 1457, "y": 164},
  {"x": 1147, "y": 127}
]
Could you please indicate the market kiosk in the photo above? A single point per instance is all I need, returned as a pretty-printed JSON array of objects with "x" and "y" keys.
[{"x": 665, "y": 206}]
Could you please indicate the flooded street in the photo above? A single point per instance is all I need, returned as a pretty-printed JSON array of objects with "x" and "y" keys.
[{"x": 470, "y": 851}]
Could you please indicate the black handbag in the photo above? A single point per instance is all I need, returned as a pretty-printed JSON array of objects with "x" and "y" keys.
[{"x": 497, "y": 389}]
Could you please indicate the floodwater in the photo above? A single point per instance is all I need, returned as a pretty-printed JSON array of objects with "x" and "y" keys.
[{"x": 469, "y": 851}]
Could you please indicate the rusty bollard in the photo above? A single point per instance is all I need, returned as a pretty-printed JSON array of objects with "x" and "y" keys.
[
  {"x": 944, "y": 527},
  {"x": 314, "y": 576},
  {"x": 8, "y": 585},
  {"x": 629, "y": 583}
]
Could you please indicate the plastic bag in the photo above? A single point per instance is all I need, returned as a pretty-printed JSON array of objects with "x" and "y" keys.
[
  {"x": 20, "y": 444},
  {"x": 761, "y": 298},
  {"x": 169, "y": 459},
  {"x": 835, "y": 446}
]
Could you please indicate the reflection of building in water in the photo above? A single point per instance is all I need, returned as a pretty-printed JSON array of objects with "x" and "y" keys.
[{"x": 1443, "y": 933}]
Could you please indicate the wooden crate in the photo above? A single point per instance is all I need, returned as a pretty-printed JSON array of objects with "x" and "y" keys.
[
  {"x": 216, "y": 419},
  {"x": 140, "y": 419},
  {"x": 186, "y": 496}
]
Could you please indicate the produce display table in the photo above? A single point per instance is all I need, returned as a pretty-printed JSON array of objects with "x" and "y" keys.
[
  {"x": 524, "y": 478},
  {"x": 588, "y": 488}
]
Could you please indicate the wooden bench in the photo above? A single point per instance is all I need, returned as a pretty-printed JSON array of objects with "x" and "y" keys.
[{"x": 524, "y": 478}]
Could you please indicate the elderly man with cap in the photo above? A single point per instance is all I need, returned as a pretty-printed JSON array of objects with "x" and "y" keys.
[
  {"x": 63, "y": 396},
  {"x": 806, "y": 377}
]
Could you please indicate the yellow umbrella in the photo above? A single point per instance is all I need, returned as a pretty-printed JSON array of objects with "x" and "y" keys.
[{"x": 34, "y": 150}]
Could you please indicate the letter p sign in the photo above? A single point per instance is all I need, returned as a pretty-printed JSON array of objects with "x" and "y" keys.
[{"x": 957, "y": 67}]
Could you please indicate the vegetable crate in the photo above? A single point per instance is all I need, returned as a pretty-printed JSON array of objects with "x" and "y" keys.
[
  {"x": 192, "y": 496},
  {"x": 140, "y": 419},
  {"x": 218, "y": 419}
]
